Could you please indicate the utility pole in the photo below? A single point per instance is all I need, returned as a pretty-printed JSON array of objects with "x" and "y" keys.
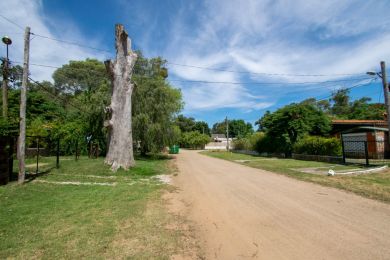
[
  {"x": 386, "y": 94},
  {"x": 7, "y": 41},
  {"x": 227, "y": 134},
  {"x": 23, "y": 99}
]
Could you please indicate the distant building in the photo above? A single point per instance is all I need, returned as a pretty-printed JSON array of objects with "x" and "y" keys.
[{"x": 219, "y": 142}]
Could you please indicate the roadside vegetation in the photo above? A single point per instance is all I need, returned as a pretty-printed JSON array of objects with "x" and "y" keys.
[
  {"x": 305, "y": 127},
  {"x": 373, "y": 185},
  {"x": 82, "y": 210}
]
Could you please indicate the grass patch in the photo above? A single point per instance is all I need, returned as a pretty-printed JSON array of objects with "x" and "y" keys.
[
  {"x": 373, "y": 185},
  {"x": 48, "y": 220}
]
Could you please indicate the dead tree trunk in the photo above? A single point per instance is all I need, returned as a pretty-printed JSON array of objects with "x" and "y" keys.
[{"x": 120, "y": 149}]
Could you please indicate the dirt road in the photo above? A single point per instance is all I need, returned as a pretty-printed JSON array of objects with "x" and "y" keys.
[{"x": 241, "y": 212}]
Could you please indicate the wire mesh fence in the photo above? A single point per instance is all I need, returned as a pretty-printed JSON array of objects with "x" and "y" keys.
[{"x": 365, "y": 152}]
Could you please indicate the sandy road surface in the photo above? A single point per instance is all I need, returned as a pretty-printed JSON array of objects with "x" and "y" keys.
[{"x": 241, "y": 212}]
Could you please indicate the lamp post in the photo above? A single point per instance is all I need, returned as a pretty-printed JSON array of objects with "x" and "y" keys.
[
  {"x": 7, "y": 41},
  {"x": 383, "y": 76}
]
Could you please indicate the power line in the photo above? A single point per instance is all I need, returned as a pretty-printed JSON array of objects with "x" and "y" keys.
[
  {"x": 349, "y": 88},
  {"x": 268, "y": 83},
  {"x": 186, "y": 65},
  {"x": 10, "y": 21},
  {"x": 54, "y": 39},
  {"x": 55, "y": 96},
  {"x": 262, "y": 73},
  {"x": 71, "y": 43},
  {"x": 226, "y": 82}
]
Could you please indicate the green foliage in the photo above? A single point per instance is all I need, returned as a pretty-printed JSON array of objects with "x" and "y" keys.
[
  {"x": 8, "y": 127},
  {"x": 237, "y": 128},
  {"x": 188, "y": 124},
  {"x": 286, "y": 125},
  {"x": 340, "y": 102},
  {"x": 154, "y": 103},
  {"x": 83, "y": 86},
  {"x": 250, "y": 142},
  {"x": 316, "y": 145},
  {"x": 80, "y": 77},
  {"x": 194, "y": 140},
  {"x": 343, "y": 108}
]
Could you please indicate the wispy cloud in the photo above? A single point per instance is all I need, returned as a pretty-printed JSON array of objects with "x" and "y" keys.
[
  {"x": 43, "y": 51},
  {"x": 284, "y": 37}
]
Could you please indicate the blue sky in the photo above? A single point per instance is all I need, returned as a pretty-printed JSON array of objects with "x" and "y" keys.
[{"x": 251, "y": 39}]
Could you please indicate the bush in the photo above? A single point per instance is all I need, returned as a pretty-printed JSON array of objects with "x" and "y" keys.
[
  {"x": 193, "y": 140},
  {"x": 268, "y": 144},
  {"x": 316, "y": 145},
  {"x": 241, "y": 144},
  {"x": 9, "y": 127},
  {"x": 249, "y": 142}
]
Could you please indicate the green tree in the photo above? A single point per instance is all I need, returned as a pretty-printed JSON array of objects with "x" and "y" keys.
[
  {"x": 202, "y": 127},
  {"x": 83, "y": 87},
  {"x": 237, "y": 128},
  {"x": 188, "y": 124},
  {"x": 194, "y": 140},
  {"x": 155, "y": 104},
  {"x": 286, "y": 125}
]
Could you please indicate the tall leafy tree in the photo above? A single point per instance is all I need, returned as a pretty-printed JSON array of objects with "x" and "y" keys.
[
  {"x": 189, "y": 124},
  {"x": 286, "y": 125},
  {"x": 84, "y": 89},
  {"x": 237, "y": 128},
  {"x": 155, "y": 105}
]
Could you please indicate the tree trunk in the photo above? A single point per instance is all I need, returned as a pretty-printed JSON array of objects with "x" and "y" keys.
[{"x": 120, "y": 149}]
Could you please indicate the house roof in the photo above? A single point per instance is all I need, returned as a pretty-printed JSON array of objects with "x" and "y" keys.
[
  {"x": 359, "y": 122},
  {"x": 365, "y": 129},
  {"x": 343, "y": 126}
]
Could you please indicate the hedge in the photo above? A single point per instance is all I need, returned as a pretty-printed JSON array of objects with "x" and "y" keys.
[{"x": 316, "y": 145}]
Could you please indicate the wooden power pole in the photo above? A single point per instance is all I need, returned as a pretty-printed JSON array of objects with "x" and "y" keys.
[
  {"x": 23, "y": 99},
  {"x": 386, "y": 94},
  {"x": 227, "y": 134}
]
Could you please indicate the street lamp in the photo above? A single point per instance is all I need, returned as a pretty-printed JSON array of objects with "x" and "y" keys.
[{"x": 7, "y": 41}]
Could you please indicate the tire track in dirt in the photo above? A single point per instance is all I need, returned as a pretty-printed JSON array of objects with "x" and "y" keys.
[{"x": 242, "y": 212}]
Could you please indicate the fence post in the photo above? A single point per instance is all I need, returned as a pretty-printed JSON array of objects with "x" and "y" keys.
[
  {"x": 342, "y": 148},
  {"x": 366, "y": 153},
  {"x": 77, "y": 147},
  {"x": 58, "y": 154},
  {"x": 36, "y": 171}
]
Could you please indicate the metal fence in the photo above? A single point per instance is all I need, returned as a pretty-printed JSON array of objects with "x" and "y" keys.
[
  {"x": 365, "y": 152},
  {"x": 42, "y": 154}
]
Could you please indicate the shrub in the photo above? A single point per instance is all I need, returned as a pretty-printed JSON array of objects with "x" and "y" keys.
[
  {"x": 241, "y": 144},
  {"x": 249, "y": 142},
  {"x": 316, "y": 145},
  {"x": 193, "y": 140},
  {"x": 268, "y": 144}
]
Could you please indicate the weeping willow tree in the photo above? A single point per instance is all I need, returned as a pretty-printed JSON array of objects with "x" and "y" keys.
[{"x": 155, "y": 105}]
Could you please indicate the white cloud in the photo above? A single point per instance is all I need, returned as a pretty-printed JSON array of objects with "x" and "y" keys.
[
  {"x": 284, "y": 37},
  {"x": 43, "y": 51}
]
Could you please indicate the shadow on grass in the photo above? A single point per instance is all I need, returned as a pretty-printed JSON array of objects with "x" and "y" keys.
[
  {"x": 30, "y": 176},
  {"x": 153, "y": 157}
]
